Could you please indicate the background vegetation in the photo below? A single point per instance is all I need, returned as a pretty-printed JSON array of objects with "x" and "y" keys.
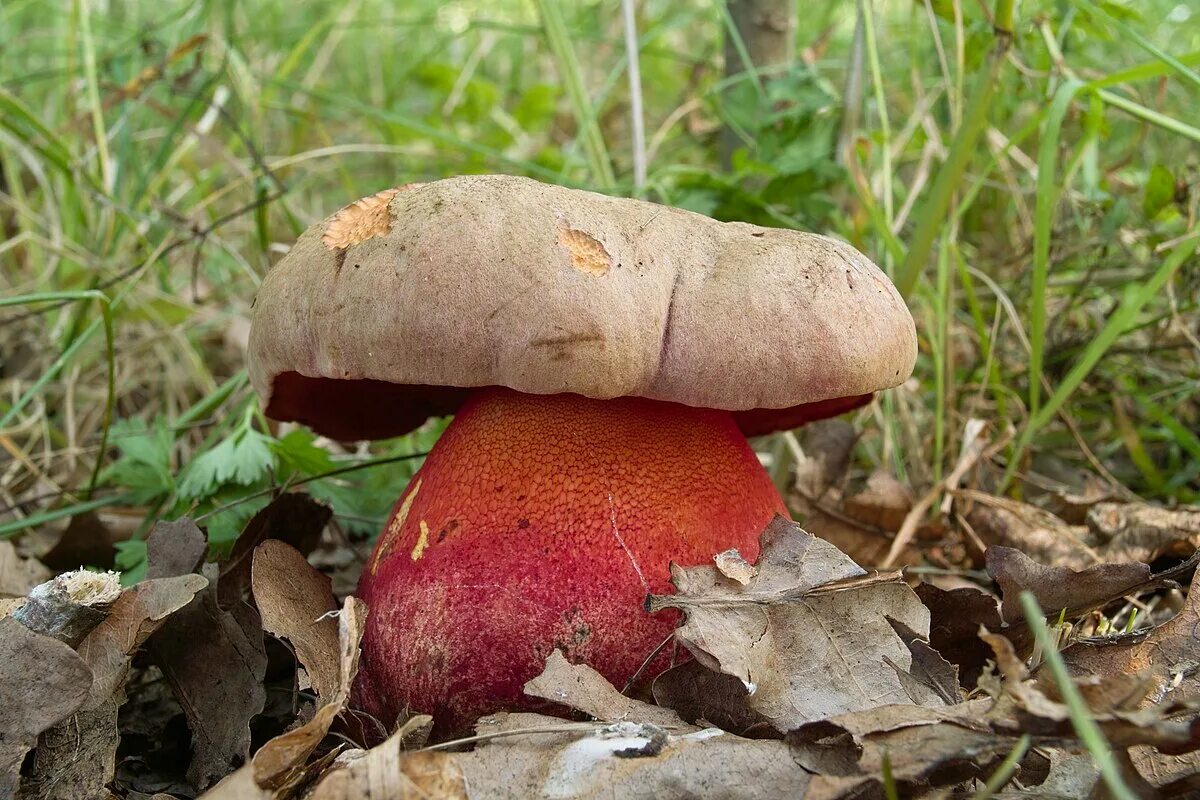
[{"x": 1031, "y": 185}]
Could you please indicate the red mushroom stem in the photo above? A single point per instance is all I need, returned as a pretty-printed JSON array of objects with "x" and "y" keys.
[{"x": 540, "y": 522}]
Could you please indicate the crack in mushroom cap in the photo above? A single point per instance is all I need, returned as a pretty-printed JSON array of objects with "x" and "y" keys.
[{"x": 496, "y": 280}]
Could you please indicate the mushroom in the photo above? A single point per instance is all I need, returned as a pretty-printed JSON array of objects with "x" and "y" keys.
[{"x": 605, "y": 359}]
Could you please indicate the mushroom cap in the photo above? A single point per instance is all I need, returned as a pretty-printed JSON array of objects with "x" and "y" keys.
[{"x": 391, "y": 310}]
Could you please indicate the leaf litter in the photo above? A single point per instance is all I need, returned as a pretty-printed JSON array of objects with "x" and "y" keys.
[{"x": 803, "y": 674}]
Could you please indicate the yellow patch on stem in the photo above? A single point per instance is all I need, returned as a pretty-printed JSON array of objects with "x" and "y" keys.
[
  {"x": 422, "y": 542},
  {"x": 393, "y": 529}
]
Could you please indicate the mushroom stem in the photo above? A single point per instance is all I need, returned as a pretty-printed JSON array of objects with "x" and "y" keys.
[{"x": 541, "y": 522}]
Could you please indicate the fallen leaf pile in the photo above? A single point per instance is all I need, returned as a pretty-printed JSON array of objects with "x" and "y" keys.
[{"x": 802, "y": 675}]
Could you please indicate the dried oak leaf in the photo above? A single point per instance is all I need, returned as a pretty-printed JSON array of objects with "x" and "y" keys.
[
  {"x": 808, "y": 636},
  {"x": 174, "y": 548},
  {"x": 529, "y": 755},
  {"x": 295, "y": 603},
  {"x": 77, "y": 758},
  {"x": 281, "y": 767},
  {"x": 1031, "y": 706},
  {"x": 1169, "y": 654},
  {"x": 1032, "y": 530},
  {"x": 827, "y": 446},
  {"x": 293, "y": 517},
  {"x": 584, "y": 689},
  {"x": 700, "y": 695},
  {"x": 279, "y": 759},
  {"x": 931, "y": 680},
  {"x": 955, "y": 617},
  {"x": 1172, "y": 775},
  {"x": 389, "y": 771},
  {"x": 88, "y": 539},
  {"x": 1062, "y": 588},
  {"x": 18, "y": 574},
  {"x": 1072, "y": 774},
  {"x": 1140, "y": 532},
  {"x": 1167, "y": 660},
  {"x": 215, "y": 664},
  {"x": 923, "y": 747},
  {"x": 883, "y": 502},
  {"x": 42, "y": 681}
]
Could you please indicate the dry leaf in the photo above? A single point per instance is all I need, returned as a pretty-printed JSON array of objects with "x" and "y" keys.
[
  {"x": 826, "y": 446},
  {"x": 295, "y": 602},
  {"x": 215, "y": 667},
  {"x": 922, "y": 747},
  {"x": 213, "y": 657},
  {"x": 77, "y": 758},
  {"x": 931, "y": 680},
  {"x": 17, "y": 574},
  {"x": 1032, "y": 530},
  {"x": 1061, "y": 588},
  {"x": 388, "y": 772},
  {"x": 286, "y": 753},
  {"x": 584, "y": 689},
  {"x": 42, "y": 681},
  {"x": 138, "y": 612},
  {"x": 174, "y": 548},
  {"x": 1169, "y": 655},
  {"x": 808, "y": 636},
  {"x": 955, "y": 617},
  {"x": 293, "y": 517},
  {"x": 699, "y": 695},
  {"x": 864, "y": 544},
  {"x": 529, "y": 755},
  {"x": 1072, "y": 774},
  {"x": 1029, "y": 706},
  {"x": 88, "y": 539},
  {"x": 733, "y": 566},
  {"x": 1139, "y": 532},
  {"x": 1073, "y": 504},
  {"x": 281, "y": 765},
  {"x": 1173, "y": 775},
  {"x": 883, "y": 503}
]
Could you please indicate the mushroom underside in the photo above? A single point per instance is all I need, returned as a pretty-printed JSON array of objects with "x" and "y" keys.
[{"x": 354, "y": 409}]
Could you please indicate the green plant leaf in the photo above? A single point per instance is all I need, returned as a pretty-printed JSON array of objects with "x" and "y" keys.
[
  {"x": 144, "y": 466},
  {"x": 299, "y": 453},
  {"x": 131, "y": 560},
  {"x": 241, "y": 459},
  {"x": 1160, "y": 191}
]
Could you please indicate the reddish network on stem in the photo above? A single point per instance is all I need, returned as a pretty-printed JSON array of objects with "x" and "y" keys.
[{"x": 605, "y": 360}]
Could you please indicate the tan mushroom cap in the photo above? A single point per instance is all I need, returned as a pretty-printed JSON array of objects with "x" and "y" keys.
[{"x": 387, "y": 311}]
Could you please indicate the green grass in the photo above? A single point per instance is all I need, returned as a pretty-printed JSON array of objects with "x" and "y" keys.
[{"x": 1030, "y": 181}]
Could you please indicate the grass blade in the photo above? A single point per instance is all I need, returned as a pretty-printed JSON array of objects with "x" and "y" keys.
[
  {"x": 572, "y": 75},
  {"x": 1150, "y": 115},
  {"x": 949, "y": 177},
  {"x": 110, "y": 356},
  {"x": 629, "y": 13},
  {"x": 1048, "y": 193},
  {"x": 1119, "y": 322},
  {"x": 14, "y": 526},
  {"x": 1081, "y": 716},
  {"x": 1175, "y": 64}
]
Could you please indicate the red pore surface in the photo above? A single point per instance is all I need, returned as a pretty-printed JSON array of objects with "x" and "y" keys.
[{"x": 542, "y": 522}]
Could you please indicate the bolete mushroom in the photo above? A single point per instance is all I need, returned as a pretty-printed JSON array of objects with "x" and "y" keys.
[{"x": 605, "y": 359}]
